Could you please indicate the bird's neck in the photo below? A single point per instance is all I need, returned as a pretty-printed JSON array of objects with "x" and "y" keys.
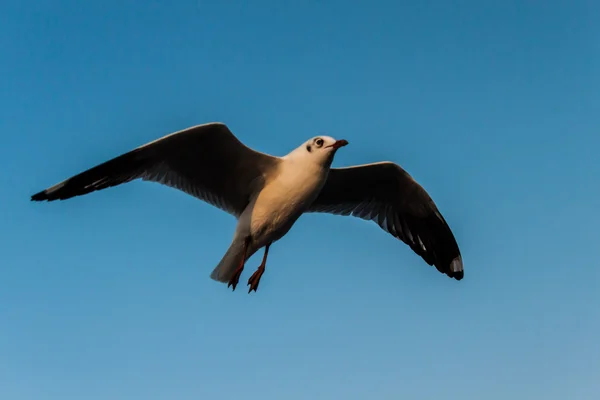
[{"x": 299, "y": 173}]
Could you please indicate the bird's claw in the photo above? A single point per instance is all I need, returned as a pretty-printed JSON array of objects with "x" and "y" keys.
[
  {"x": 255, "y": 279},
  {"x": 235, "y": 279}
]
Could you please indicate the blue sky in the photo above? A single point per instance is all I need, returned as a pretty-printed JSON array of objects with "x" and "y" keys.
[{"x": 492, "y": 106}]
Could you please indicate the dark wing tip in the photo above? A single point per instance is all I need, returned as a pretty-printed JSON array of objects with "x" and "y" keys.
[
  {"x": 456, "y": 275},
  {"x": 41, "y": 196},
  {"x": 455, "y": 269},
  {"x": 436, "y": 244},
  {"x": 52, "y": 193}
]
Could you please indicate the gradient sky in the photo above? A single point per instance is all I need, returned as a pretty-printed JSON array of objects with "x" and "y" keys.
[{"x": 492, "y": 106}]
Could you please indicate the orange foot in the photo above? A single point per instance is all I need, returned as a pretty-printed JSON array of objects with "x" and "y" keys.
[
  {"x": 235, "y": 278},
  {"x": 255, "y": 279}
]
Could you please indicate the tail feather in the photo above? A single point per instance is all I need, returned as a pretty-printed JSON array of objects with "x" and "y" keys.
[{"x": 223, "y": 272}]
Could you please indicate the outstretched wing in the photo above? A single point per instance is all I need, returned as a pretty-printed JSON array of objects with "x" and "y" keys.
[
  {"x": 388, "y": 195},
  {"x": 206, "y": 161}
]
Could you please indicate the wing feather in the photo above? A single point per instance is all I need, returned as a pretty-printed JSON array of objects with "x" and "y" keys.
[
  {"x": 387, "y": 195},
  {"x": 205, "y": 161}
]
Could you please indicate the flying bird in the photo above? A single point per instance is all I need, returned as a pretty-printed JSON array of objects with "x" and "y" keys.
[{"x": 267, "y": 194}]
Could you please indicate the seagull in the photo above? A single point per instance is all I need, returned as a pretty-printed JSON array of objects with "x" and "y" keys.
[{"x": 267, "y": 194}]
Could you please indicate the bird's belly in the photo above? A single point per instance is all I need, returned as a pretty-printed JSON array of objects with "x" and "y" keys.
[
  {"x": 275, "y": 212},
  {"x": 274, "y": 221}
]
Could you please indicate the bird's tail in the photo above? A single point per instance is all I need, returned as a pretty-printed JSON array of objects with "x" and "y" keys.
[{"x": 230, "y": 262}]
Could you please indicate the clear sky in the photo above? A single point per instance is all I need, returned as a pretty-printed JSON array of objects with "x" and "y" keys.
[{"x": 492, "y": 106}]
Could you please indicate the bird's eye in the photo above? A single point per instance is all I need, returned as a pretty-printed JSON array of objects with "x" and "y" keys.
[{"x": 319, "y": 142}]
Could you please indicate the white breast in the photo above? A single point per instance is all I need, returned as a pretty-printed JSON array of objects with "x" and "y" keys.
[{"x": 283, "y": 200}]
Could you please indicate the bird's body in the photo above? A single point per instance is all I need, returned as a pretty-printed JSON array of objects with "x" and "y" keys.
[
  {"x": 268, "y": 194},
  {"x": 282, "y": 201},
  {"x": 274, "y": 208}
]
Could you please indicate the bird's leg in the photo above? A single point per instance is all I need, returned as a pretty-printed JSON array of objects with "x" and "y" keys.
[
  {"x": 238, "y": 272},
  {"x": 255, "y": 278}
]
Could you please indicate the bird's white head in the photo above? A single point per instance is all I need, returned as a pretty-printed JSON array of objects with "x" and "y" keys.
[{"x": 320, "y": 149}]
